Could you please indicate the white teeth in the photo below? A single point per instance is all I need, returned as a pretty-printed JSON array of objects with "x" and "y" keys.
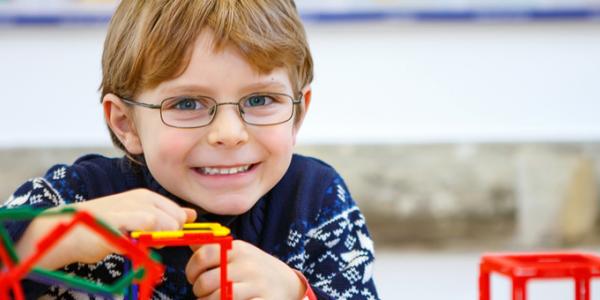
[{"x": 224, "y": 171}]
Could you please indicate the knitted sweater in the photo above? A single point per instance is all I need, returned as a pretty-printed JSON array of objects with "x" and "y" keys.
[{"x": 308, "y": 220}]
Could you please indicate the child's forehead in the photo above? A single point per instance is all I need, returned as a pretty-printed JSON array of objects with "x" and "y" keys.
[
  {"x": 211, "y": 67},
  {"x": 208, "y": 53},
  {"x": 227, "y": 80}
]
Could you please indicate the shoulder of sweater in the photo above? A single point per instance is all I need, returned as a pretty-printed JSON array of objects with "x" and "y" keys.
[
  {"x": 95, "y": 167},
  {"x": 310, "y": 166},
  {"x": 104, "y": 175},
  {"x": 96, "y": 159},
  {"x": 306, "y": 181}
]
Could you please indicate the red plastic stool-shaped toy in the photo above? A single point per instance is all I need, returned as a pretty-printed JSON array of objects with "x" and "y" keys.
[{"x": 521, "y": 267}]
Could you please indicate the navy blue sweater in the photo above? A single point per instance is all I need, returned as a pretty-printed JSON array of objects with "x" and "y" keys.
[{"x": 308, "y": 220}]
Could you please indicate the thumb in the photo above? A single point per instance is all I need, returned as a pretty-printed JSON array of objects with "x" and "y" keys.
[
  {"x": 191, "y": 216},
  {"x": 195, "y": 247}
]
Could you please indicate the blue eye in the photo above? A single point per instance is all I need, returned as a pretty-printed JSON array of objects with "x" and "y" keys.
[
  {"x": 257, "y": 100},
  {"x": 188, "y": 104}
]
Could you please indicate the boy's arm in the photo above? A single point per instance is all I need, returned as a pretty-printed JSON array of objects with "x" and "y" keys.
[
  {"x": 134, "y": 209},
  {"x": 339, "y": 249},
  {"x": 40, "y": 193}
]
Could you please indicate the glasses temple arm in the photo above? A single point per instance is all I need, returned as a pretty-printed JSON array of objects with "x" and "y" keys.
[{"x": 147, "y": 105}]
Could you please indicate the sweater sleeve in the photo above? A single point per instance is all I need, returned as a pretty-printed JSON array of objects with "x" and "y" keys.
[
  {"x": 62, "y": 185},
  {"x": 339, "y": 250},
  {"x": 59, "y": 186}
]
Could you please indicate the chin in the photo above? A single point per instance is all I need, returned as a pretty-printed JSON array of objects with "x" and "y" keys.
[{"x": 230, "y": 206}]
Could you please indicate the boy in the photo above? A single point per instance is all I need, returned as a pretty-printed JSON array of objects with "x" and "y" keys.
[{"x": 205, "y": 98}]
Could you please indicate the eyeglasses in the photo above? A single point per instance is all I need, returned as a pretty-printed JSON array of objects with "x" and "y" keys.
[{"x": 261, "y": 109}]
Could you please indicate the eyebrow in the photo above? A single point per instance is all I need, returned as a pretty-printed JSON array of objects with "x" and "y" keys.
[
  {"x": 205, "y": 90},
  {"x": 271, "y": 84},
  {"x": 187, "y": 88}
]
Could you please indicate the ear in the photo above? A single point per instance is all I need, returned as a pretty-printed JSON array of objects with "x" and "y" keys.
[
  {"x": 307, "y": 92},
  {"x": 306, "y": 96},
  {"x": 118, "y": 117}
]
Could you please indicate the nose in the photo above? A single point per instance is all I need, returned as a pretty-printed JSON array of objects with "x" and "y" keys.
[{"x": 227, "y": 128}]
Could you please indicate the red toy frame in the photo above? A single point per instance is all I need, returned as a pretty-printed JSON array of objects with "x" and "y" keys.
[
  {"x": 146, "y": 239},
  {"x": 521, "y": 267},
  {"x": 140, "y": 257}
]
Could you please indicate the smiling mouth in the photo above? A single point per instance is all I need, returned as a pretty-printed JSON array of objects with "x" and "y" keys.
[{"x": 224, "y": 171}]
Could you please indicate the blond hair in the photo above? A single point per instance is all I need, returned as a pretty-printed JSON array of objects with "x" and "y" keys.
[{"x": 150, "y": 41}]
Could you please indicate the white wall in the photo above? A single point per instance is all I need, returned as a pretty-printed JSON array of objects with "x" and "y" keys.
[{"x": 402, "y": 82}]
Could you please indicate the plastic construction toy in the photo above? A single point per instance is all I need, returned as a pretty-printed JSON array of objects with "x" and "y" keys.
[
  {"x": 194, "y": 234},
  {"x": 146, "y": 271},
  {"x": 522, "y": 267}
]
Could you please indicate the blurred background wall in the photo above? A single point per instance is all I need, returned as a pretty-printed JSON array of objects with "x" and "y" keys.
[
  {"x": 452, "y": 132},
  {"x": 393, "y": 82}
]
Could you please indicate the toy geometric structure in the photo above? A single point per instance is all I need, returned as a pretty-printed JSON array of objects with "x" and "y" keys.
[
  {"x": 194, "y": 234},
  {"x": 522, "y": 267},
  {"x": 147, "y": 270}
]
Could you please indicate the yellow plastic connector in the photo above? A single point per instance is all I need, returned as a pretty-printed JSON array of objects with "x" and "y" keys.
[{"x": 215, "y": 229}]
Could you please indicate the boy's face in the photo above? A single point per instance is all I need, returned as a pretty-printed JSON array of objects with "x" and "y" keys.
[{"x": 184, "y": 160}]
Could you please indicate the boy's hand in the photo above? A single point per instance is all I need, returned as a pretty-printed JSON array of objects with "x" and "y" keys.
[
  {"x": 254, "y": 273},
  {"x": 132, "y": 210}
]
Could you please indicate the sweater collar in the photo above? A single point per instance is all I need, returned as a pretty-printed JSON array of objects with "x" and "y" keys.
[{"x": 247, "y": 226}]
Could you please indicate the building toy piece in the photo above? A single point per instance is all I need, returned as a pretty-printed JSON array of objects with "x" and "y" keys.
[
  {"x": 147, "y": 269},
  {"x": 194, "y": 234},
  {"x": 523, "y": 267}
]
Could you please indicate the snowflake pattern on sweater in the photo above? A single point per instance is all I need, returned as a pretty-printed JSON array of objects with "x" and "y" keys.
[
  {"x": 333, "y": 249},
  {"x": 338, "y": 240},
  {"x": 61, "y": 186}
]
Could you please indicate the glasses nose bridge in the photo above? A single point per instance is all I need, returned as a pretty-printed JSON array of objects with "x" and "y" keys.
[
  {"x": 228, "y": 103},
  {"x": 239, "y": 109}
]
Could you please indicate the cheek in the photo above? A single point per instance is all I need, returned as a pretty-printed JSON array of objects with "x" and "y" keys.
[
  {"x": 278, "y": 140},
  {"x": 167, "y": 144}
]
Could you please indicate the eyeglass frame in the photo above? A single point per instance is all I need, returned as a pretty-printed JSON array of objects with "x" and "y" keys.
[{"x": 217, "y": 104}]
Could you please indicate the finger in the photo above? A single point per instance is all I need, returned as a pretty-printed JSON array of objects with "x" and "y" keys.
[
  {"x": 135, "y": 220},
  {"x": 195, "y": 247},
  {"x": 171, "y": 208},
  {"x": 204, "y": 258},
  {"x": 150, "y": 220},
  {"x": 190, "y": 215},
  {"x": 240, "y": 291},
  {"x": 207, "y": 283},
  {"x": 165, "y": 221}
]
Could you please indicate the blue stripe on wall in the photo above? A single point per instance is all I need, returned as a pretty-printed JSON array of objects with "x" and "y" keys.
[
  {"x": 53, "y": 19},
  {"x": 23, "y": 19},
  {"x": 458, "y": 15}
]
